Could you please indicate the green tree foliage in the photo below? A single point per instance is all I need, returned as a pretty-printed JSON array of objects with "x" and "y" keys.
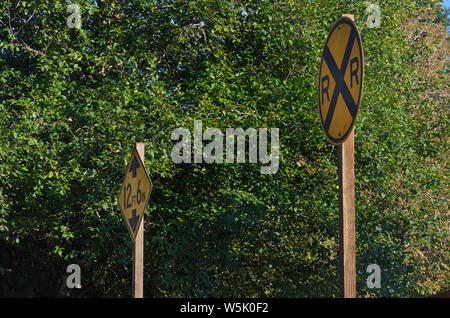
[{"x": 74, "y": 101}]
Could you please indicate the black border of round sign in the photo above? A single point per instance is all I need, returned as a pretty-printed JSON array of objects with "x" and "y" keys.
[{"x": 352, "y": 24}]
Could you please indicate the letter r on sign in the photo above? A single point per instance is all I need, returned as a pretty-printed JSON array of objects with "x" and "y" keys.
[{"x": 354, "y": 72}]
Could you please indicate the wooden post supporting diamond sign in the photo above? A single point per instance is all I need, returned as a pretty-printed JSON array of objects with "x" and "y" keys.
[
  {"x": 133, "y": 199},
  {"x": 340, "y": 88}
]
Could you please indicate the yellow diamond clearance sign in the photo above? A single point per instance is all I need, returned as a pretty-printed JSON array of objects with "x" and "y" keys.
[
  {"x": 134, "y": 194},
  {"x": 340, "y": 80}
]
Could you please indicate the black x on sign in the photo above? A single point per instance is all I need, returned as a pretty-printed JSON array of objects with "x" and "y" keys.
[{"x": 340, "y": 80}]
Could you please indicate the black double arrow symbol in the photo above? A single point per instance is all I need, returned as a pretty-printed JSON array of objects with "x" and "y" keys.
[{"x": 134, "y": 218}]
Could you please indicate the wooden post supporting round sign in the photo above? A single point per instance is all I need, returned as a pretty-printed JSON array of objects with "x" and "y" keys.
[
  {"x": 347, "y": 254},
  {"x": 341, "y": 76}
]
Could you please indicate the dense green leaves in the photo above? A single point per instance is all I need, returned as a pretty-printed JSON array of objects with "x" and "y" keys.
[{"x": 74, "y": 101}]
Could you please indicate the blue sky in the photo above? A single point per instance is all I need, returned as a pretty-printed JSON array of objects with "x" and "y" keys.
[{"x": 446, "y": 4}]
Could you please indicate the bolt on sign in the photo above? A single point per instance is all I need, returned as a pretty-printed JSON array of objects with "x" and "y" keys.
[
  {"x": 134, "y": 193},
  {"x": 340, "y": 80}
]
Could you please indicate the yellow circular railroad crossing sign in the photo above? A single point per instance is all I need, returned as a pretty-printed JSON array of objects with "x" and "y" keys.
[{"x": 340, "y": 80}]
